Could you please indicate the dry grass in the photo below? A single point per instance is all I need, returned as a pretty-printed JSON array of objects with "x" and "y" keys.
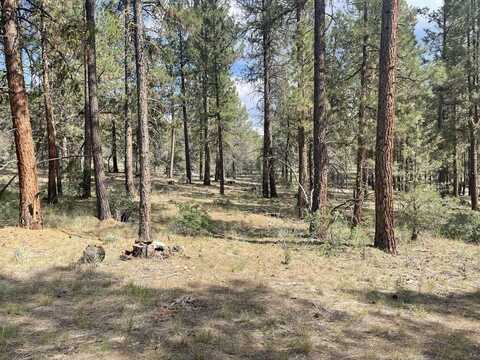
[{"x": 232, "y": 295}]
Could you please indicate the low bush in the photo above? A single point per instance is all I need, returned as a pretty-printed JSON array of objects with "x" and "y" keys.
[
  {"x": 122, "y": 206},
  {"x": 464, "y": 225},
  {"x": 421, "y": 210},
  {"x": 333, "y": 229},
  {"x": 192, "y": 220}
]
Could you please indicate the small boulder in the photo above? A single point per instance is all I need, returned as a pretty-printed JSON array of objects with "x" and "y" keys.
[
  {"x": 92, "y": 254},
  {"x": 159, "y": 246}
]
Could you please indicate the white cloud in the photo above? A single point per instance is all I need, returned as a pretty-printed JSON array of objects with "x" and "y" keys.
[
  {"x": 250, "y": 97},
  {"x": 432, "y": 4}
]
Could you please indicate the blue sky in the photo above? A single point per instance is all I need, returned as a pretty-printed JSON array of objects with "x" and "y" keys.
[{"x": 250, "y": 97}]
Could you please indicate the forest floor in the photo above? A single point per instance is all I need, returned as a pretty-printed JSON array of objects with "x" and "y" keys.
[{"x": 258, "y": 289}]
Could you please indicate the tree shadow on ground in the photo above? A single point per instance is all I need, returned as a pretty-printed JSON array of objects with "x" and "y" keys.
[{"x": 70, "y": 311}]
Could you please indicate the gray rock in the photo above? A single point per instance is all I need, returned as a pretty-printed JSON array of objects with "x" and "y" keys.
[
  {"x": 159, "y": 246},
  {"x": 93, "y": 254}
]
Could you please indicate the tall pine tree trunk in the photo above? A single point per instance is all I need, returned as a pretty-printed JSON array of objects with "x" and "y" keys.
[
  {"x": 220, "y": 163},
  {"x": 103, "y": 207},
  {"x": 87, "y": 131},
  {"x": 302, "y": 155},
  {"x": 183, "y": 89},
  {"x": 360, "y": 181},
  {"x": 144, "y": 231},
  {"x": 172, "y": 141},
  {"x": 320, "y": 156},
  {"x": 206, "y": 146},
  {"x": 268, "y": 172},
  {"x": 472, "y": 48},
  {"x": 30, "y": 207},
  {"x": 114, "y": 146},
  {"x": 384, "y": 216},
  {"x": 455, "y": 185},
  {"x": 129, "y": 184},
  {"x": 52, "y": 196}
]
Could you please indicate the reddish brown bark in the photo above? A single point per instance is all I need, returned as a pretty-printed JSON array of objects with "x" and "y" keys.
[
  {"x": 384, "y": 216},
  {"x": 30, "y": 207}
]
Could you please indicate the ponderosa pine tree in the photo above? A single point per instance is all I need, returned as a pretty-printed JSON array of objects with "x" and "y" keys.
[
  {"x": 52, "y": 195},
  {"x": 320, "y": 156},
  {"x": 301, "y": 113},
  {"x": 87, "y": 129},
  {"x": 144, "y": 231},
  {"x": 30, "y": 206},
  {"x": 183, "y": 88},
  {"x": 128, "y": 160},
  {"x": 362, "y": 172},
  {"x": 384, "y": 216},
  {"x": 103, "y": 207}
]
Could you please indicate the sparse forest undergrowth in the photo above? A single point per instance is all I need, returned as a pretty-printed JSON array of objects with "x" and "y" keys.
[{"x": 249, "y": 285}]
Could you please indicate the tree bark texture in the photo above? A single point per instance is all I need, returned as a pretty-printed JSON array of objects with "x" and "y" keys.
[
  {"x": 30, "y": 207},
  {"x": 144, "y": 231},
  {"x": 384, "y": 216},
  {"x": 103, "y": 207}
]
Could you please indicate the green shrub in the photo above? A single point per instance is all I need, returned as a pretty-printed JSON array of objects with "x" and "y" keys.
[
  {"x": 464, "y": 225},
  {"x": 333, "y": 229},
  {"x": 9, "y": 209},
  {"x": 421, "y": 210},
  {"x": 192, "y": 220},
  {"x": 122, "y": 206}
]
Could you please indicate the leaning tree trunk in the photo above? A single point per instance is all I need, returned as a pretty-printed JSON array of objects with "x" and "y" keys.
[
  {"x": 384, "y": 217},
  {"x": 144, "y": 231},
  {"x": 30, "y": 207},
  {"x": 360, "y": 181},
  {"x": 103, "y": 207},
  {"x": 183, "y": 88},
  {"x": 52, "y": 196},
  {"x": 320, "y": 156},
  {"x": 129, "y": 184}
]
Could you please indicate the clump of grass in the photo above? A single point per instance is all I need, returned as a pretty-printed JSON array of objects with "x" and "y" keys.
[
  {"x": 140, "y": 293},
  {"x": 204, "y": 336},
  {"x": 13, "y": 309},
  {"x": 8, "y": 333},
  {"x": 111, "y": 238},
  {"x": 6, "y": 290},
  {"x": 302, "y": 344},
  {"x": 192, "y": 220}
]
